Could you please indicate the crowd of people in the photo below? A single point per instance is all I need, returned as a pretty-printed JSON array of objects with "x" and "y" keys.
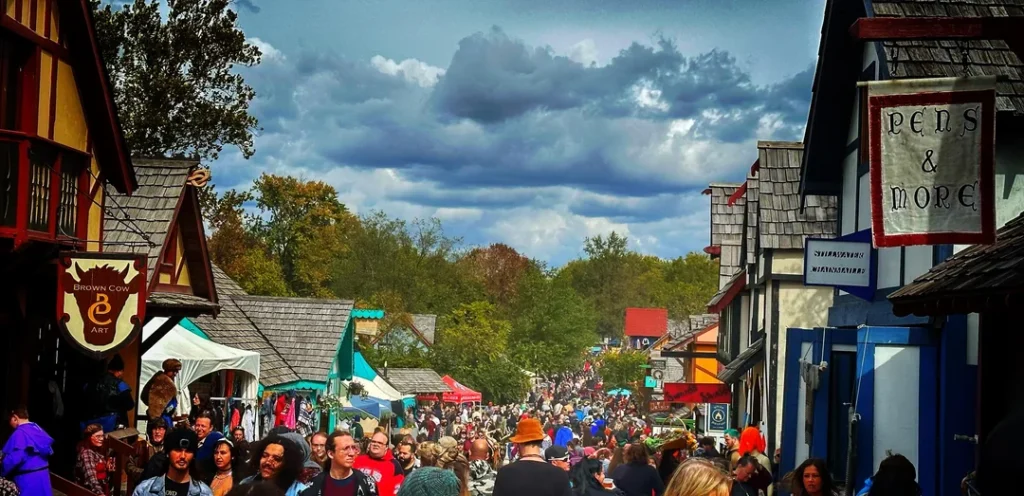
[{"x": 568, "y": 438}]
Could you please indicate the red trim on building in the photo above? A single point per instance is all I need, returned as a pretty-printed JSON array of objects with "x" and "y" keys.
[
  {"x": 707, "y": 191},
  {"x": 714, "y": 251},
  {"x": 738, "y": 284},
  {"x": 733, "y": 198}
]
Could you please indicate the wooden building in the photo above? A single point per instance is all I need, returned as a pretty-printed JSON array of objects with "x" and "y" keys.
[{"x": 61, "y": 146}]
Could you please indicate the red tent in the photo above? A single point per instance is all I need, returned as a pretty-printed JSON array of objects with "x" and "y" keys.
[{"x": 459, "y": 393}]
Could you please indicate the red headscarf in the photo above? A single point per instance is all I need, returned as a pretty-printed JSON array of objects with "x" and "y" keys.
[{"x": 751, "y": 439}]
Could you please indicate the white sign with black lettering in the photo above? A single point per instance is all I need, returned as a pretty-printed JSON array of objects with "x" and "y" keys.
[
  {"x": 931, "y": 157},
  {"x": 837, "y": 263}
]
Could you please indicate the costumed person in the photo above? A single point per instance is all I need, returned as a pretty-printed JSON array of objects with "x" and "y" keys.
[
  {"x": 281, "y": 411},
  {"x": 110, "y": 398},
  {"x": 26, "y": 455},
  {"x": 160, "y": 394},
  {"x": 563, "y": 436}
]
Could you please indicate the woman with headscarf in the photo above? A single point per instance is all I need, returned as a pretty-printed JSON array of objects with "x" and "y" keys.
[{"x": 93, "y": 466}]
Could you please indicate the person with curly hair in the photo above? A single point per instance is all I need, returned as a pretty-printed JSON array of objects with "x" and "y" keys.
[
  {"x": 278, "y": 460},
  {"x": 896, "y": 476},
  {"x": 812, "y": 478},
  {"x": 92, "y": 466}
]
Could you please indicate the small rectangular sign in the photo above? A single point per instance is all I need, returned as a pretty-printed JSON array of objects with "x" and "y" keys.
[
  {"x": 650, "y": 382},
  {"x": 657, "y": 364},
  {"x": 685, "y": 392},
  {"x": 718, "y": 417},
  {"x": 837, "y": 263},
  {"x": 659, "y": 406}
]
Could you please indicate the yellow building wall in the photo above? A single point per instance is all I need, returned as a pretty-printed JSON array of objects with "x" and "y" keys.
[
  {"x": 183, "y": 277},
  {"x": 42, "y": 15},
  {"x": 788, "y": 262},
  {"x": 45, "y": 80},
  {"x": 69, "y": 128},
  {"x": 705, "y": 370},
  {"x": 95, "y": 229}
]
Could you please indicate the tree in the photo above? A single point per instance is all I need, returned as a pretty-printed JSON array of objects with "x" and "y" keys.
[
  {"x": 498, "y": 268},
  {"x": 305, "y": 226},
  {"x": 622, "y": 370},
  {"x": 472, "y": 345},
  {"x": 553, "y": 326},
  {"x": 175, "y": 82}
]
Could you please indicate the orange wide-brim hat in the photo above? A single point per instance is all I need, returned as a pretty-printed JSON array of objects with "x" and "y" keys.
[{"x": 529, "y": 430}]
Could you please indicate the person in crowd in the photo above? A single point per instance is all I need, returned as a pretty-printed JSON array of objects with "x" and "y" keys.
[
  {"x": 8, "y": 488},
  {"x": 431, "y": 481},
  {"x": 257, "y": 489},
  {"x": 707, "y": 448},
  {"x": 481, "y": 474},
  {"x": 812, "y": 478},
  {"x": 277, "y": 459},
  {"x": 340, "y": 477},
  {"x": 225, "y": 460},
  {"x": 380, "y": 465},
  {"x": 530, "y": 475},
  {"x": 557, "y": 456},
  {"x": 208, "y": 437},
  {"x": 26, "y": 455},
  {"x": 318, "y": 447},
  {"x": 160, "y": 394},
  {"x": 896, "y": 476},
  {"x": 587, "y": 479},
  {"x": 750, "y": 478},
  {"x": 407, "y": 455},
  {"x": 618, "y": 458},
  {"x": 637, "y": 477},
  {"x": 240, "y": 442},
  {"x": 669, "y": 462},
  {"x": 752, "y": 444},
  {"x": 181, "y": 476},
  {"x": 310, "y": 468},
  {"x": 698, "y": 477},
  {"x": 200, "y": 406},
  {"x": 156, "y": 431},
  {"x": 452, "y": 457},
  {"x": 92, "y": 466},
  {"x": 732, "y": 447},
  {"x": 109, "y": 398}
]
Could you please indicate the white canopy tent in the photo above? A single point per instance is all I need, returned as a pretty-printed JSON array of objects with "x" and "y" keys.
[{"x": 198, "y": 357}]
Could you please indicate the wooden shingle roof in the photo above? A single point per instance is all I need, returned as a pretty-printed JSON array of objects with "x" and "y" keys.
[
  {"x": 305, "y": 331},
  {"x": 752, "y": 213},
  {"x": 977, "y": 278},
  {"x": 416, "y": 381},
  {"x": 782, "y": 224},
  {"x": 727, "y": 223},
  {"x": 150, "y": 209},
  {"x": 233, "y": 328},
  {"x": 914, "y": 59}
]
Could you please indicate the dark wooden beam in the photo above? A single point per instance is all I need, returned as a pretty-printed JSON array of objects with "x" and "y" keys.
[
  {"x": 689, "y": 354},
  {"x": 159, "y": 334}
]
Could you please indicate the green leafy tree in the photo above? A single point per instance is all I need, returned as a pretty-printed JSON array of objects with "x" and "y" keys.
[
  {"x": 472, "y": 346},
  {"x": 175, "y": 80},
  {"x": 622, "y": 370},
  {"x": 553, "y": 326}
]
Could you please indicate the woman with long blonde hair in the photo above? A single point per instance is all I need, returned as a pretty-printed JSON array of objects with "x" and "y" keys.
[{"x": 696, "y": 477}]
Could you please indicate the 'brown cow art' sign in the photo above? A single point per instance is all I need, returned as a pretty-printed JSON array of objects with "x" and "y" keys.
[{"x": 101, "y": 300}]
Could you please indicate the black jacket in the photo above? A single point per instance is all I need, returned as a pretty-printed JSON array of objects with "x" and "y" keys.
[{"x": 364, "y": 485}]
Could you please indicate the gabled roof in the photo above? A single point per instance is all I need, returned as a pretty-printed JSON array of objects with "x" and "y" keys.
[
  {"x": 416, "y": 381},
  {"x": 231, "y": 327},
  {"x": 91, "y": 77},
  {"x": 727, "y": 221},
  {"x": 724, "y": 296},
  {"x": 305, "y": 331},
  {"x": 695, "y": 326},
  {"x": 646, "y": 322},
  {"x": 978, "y": 278},
  {"x": 141, "y": 223},
  {"x": 744, "y": 362},
  {"x": 782, "y": 224}
]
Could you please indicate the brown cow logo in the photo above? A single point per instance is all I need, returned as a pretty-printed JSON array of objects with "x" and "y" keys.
[{"x": 101, "y": 293}]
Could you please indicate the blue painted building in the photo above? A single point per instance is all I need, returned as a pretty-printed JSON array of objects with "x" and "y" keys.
[{"x": 912, "y": 380}]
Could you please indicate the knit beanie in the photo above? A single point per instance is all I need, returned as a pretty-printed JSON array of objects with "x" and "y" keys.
[{"x": 430, "y": 481}]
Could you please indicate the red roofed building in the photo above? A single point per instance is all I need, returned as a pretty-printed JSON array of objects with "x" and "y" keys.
[{"x": 644, "y": 326}]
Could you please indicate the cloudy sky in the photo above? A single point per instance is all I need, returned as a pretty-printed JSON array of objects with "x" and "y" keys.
[{"x": 533, "y": 123}]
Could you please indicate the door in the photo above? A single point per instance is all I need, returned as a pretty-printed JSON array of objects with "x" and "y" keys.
[{"x": 897, "y": 400}]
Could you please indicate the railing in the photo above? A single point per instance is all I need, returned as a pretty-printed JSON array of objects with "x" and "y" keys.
[
  {"x": 122, "y": 451},
  {"x": 44, "y": 190},
  {"x": 64, "y": 486}
]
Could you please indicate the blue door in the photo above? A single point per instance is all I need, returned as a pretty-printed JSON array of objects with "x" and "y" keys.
[{"x": 897, "y": 400}]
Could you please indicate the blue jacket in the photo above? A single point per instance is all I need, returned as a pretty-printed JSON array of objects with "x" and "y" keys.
[
  {"x": 155, "y": 487},
  {"x": 27, "y": 459},
  {"x": 866, "y": 489}
]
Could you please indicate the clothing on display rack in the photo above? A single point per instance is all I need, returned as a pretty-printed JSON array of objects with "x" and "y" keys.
[
  {"x": 290, "y": 420},
  {"x": 249, "y": 424},
  {"x": 281, "y": 411}
]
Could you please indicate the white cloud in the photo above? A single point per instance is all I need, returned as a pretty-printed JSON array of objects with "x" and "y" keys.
[
  {"x": 270, "y": 54},
  {"x": 412, "y": 70},
  {"x": 584, "y": 52}
]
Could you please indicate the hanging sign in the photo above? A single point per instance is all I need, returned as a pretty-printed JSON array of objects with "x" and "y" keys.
[
  {"x": 684, "y": 392},
  {"x": 659, "y": 406},
  {"x": 718, "y": 417},
  {"x": 932, "y": 147},
  {"x": 846, "y": 262},
  {"x": 101, "y": 300}
]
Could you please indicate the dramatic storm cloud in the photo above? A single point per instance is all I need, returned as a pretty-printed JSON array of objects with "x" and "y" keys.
[{"x": 518, "y": 142}]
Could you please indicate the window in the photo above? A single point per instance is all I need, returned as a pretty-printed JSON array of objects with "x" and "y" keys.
[
  {"x": 14, "y": 57},
  {"x": 8, "y": 183}
]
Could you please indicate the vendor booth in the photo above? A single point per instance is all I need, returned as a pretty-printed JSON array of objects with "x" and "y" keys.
[
  {"x": 459, "y": 394},
  {"x": 199, "y": 358}
]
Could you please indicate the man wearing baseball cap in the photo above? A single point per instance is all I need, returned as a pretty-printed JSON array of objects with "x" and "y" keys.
[
  {"x": 179, "y": 480},
  {"x": 531, "y": 474},
  {"x": 557, "y": 456}
]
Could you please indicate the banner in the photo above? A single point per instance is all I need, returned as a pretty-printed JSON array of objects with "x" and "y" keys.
[
  {"x": 684, "y": 392},
  {"x": 932, "y": 148},
  {"x": 101, "y": 300},
  {"x": 718, "y": 418}
]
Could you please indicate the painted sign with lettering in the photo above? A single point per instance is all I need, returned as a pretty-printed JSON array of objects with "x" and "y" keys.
[
  {"x": 659, "y": 406},
  {"x": 931, "y": 150},
  {"x": 718, "y": 417},
  {"x": 846, "y": 262},
  {"x": 101, "y": 300},
  {"x": 685, "y": 392}
]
